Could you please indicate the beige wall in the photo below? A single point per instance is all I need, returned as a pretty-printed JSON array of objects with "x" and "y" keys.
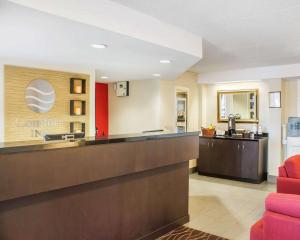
[
  {"x": 138, "y": 112},
  {"x": 151, "y": 104},
  {"x": 291, "y": 99},
  {"x": 186, "y": 82},
  {"x": 1, "y": 102},
  {"x": 209, "y": 104},
  {"x": 275, "y": 115}
]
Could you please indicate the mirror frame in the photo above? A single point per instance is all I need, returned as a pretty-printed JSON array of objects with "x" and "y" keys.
[{"x": 238, "y": 91}]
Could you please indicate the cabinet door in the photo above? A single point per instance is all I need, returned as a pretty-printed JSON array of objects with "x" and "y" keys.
[
  {"x": 229, "y": 158},
  {"x": 249, "y": 167},
  {"x": 204, "y": 159},
  {"x": 216, "y": 151}
]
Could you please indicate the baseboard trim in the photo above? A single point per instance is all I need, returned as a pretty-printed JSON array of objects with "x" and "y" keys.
[
  {"x": 192, "y": 170},
  {"x": 165, "y": 229},
  {"x": 254, "y": 181},
  {"x": 272, "y": 179}
]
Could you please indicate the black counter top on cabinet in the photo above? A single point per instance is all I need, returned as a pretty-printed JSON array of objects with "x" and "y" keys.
[
  {"x": 26, "y": 146},
  {"x": 256, "y": 138}
]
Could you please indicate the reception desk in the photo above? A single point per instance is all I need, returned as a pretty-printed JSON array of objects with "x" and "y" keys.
[{"x": 119, "y": 187}]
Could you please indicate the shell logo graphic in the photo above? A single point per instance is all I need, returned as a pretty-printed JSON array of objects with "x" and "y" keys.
[{"x": 40, "y": 96}]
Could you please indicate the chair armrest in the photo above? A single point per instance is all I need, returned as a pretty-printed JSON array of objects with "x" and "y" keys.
[
  {"x": 286, "y": 204},
  {"x": 288, "y": 185},
  {"x": 280, "y": 227},
  {"x": 282, "y": 171}
]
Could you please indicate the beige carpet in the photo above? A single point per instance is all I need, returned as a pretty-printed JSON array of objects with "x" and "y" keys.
[{"x": 184, "y": 233}]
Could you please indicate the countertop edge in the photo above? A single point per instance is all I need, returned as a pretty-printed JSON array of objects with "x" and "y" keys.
[
  {"x": 260, "y": 138},
  {"x": 40, "y": 145}
]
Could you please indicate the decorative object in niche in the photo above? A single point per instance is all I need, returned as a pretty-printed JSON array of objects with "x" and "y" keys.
[
  {"x": 77, "y": 127},
  {"x": 243, "y": 104},
  {"x": 275, "y": 99},
  {"x": 122, "y": 89},
  {"x": 40, "y": 96},
  {"x": 77, "y": 86},
  {"x": 77, "y": 107}
]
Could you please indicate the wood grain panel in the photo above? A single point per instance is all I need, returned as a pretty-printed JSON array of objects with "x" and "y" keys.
[
  {"x": 18, "y": 117},
  {"x": 115, "y": 191},
  {"x": 123, "y": 208},
  {"x": 23, "y": 174}
]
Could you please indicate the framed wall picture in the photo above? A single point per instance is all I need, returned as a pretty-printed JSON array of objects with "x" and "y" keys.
[
  {"x": 122, "y": 89},
  {"x": 275, "y": 99}
]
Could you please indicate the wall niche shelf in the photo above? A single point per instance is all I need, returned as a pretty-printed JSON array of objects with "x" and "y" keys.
[
  {"x": 77, "y": 127},
  {"x": 77, "y": 86},
  {"x": 77, "y": 108}
]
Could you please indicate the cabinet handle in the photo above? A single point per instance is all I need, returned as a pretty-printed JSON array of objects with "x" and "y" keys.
[
  {"x": 243, "y": 146},
  {"x": 208, "y": 144},
  {"x": 238, "y": 147},
  {"x": 212, "y": 144}
]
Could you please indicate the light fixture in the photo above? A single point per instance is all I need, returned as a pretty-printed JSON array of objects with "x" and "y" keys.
[
  {"x": 156, "y": 75},
  {"x": 104, "y": 77},
  {"x": 99, "y": 46},
  {"x": 165, "y": 61}
]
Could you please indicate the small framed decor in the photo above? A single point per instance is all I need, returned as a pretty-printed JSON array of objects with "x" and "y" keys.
[
  {"x": 122, "y": 89},
  {"x": 275, "y": 99}
]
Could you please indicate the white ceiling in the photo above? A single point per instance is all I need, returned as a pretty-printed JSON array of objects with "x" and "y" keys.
[
  {"x": 236, "y": 33},
  {"x": 36, "y": 36}
]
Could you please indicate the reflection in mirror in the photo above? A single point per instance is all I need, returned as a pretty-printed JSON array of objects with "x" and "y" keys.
[{"x": 242, "y": 104}]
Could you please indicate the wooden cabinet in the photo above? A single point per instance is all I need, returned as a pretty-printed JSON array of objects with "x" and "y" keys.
[
  {"x": 207, "y": 149},
  {"x": 228, "y": 151},
  {"x": 249, "y": 159},
  {"x": 233, "y": 158}
]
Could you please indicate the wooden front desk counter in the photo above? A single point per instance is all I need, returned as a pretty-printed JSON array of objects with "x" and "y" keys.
[{"x": 121, "y": 187}]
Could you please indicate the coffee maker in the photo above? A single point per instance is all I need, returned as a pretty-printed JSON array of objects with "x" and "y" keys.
[{"x": 231, "y": 124}]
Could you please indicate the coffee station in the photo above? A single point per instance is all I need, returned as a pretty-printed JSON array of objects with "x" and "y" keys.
[{"x": 238, "y": 154}]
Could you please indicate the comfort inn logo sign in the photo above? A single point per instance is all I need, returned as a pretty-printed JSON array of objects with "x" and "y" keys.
[{"x": 40, "y": 96}]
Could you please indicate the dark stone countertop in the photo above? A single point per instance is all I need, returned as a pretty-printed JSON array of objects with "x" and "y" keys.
[
  {"x": 26, "y": 146},
  {"x": 256, "y": 138}
]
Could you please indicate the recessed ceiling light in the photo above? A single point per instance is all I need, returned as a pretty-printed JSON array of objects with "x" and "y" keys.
[
  {"x": 165, "y": 61},
  {"x": 99, "y": 46},
  {"x": 156, "y": 75},
  {"x": 104, "y": 77}
]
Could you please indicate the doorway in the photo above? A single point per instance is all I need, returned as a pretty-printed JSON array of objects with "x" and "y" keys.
[{"x": 181, "y": 111}]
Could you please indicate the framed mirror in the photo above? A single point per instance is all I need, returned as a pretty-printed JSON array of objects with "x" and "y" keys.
[{"x": 243, "y": 104}]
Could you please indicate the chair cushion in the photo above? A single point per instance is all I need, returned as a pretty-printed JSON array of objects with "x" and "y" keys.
[
  {"x": 292, "y": 167},
  {"x": 285, "y": 204}
]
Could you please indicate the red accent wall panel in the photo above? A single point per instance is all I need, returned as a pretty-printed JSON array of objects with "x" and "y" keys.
[{"x": 101, "y": 109}]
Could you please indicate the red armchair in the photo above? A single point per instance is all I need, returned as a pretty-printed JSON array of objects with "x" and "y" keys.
[
  {"x": 289, "y": 176},
  {"x": 281, "y": 220}
]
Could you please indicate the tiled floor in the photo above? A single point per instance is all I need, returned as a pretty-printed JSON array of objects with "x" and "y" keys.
[{"x": 226, "y": 208}]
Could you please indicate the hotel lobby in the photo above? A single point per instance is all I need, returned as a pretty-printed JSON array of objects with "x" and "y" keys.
[{"x": 141, "y": 120}]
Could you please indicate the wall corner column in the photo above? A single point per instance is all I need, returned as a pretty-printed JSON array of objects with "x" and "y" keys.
[
  {"x": 1, "y": 102},
  {"x": 275, "y": 120},
  {"x": 92, "y": 102}
]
